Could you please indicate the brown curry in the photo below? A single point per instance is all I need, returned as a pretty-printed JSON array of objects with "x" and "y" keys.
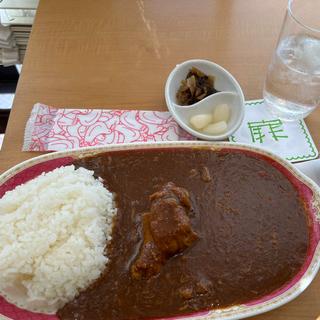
[{"x": 195, "y": 230}]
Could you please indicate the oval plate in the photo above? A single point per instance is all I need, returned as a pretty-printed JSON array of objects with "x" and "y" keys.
[{"x": 308, "y": 190}]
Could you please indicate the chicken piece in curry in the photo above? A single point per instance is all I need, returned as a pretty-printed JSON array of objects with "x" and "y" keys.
[{"x": 166, "y": 230}]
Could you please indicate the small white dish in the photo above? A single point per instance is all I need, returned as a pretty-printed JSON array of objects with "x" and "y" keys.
[{"x": 230, "y": 93}]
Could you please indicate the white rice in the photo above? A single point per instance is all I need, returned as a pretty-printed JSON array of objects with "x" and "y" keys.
[{"x": 53, "y": 233}]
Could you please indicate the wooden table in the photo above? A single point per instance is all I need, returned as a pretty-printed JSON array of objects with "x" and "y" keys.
[{"x": 119, "y": 54}]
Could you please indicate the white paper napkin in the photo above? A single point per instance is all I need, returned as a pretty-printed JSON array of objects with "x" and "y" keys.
[
  {"x": 9, "y": 52},
  {"x": 9, "y": 43},
  {"x": 9, "y": 56},
  {"x": 289, "y": 140},
  {"x": 4, "y": 33}
]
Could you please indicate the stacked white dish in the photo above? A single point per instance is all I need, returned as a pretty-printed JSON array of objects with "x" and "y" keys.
[{"x": 16, "y": 20}]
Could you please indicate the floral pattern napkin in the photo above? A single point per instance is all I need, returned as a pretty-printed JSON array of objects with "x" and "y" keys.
[{"x": 54, "y": 129}]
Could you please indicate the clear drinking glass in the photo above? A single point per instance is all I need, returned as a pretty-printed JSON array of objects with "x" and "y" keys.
[{"x": 292, "y": 86}]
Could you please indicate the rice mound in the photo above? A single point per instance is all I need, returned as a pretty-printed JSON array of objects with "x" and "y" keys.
[{"x": 53, "y": 233}]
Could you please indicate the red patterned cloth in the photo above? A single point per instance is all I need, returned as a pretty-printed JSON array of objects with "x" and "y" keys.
[{"x": 52, "y": 129}]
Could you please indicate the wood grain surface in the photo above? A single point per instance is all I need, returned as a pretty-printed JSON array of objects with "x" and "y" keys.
[{"x": 118, "y": 54}]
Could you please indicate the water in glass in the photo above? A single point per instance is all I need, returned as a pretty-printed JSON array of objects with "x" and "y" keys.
[{"x": 292, "y": 88}]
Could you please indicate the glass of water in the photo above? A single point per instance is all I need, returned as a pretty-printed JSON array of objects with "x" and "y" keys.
[{"x": 292, "y": 86}]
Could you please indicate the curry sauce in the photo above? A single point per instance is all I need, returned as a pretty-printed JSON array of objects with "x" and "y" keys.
[{"x": 249, "y": 223}]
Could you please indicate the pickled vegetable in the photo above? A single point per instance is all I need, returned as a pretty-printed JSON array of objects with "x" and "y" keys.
[
  {"x": 215, "y": 128},
  {"x": 221, "y": 113},
  {"x": 199, "y": 121}
]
